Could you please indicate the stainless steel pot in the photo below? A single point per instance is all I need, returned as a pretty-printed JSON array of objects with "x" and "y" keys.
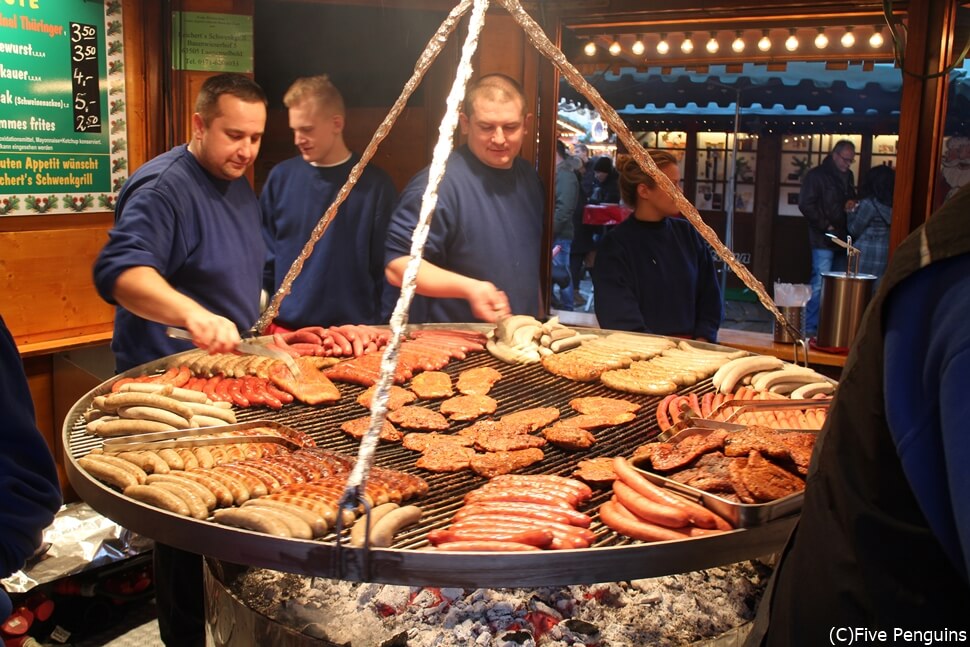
[{"x": 844, "y": 300}]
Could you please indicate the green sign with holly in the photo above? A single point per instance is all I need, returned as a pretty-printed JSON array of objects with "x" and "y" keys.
[{"x": 62, "y": 106}]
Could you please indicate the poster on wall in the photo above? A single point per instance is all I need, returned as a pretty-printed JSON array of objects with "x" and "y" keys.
[{"x": 62, "y": 107}]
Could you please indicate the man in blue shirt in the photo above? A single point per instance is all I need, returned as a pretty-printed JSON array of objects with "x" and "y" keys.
[
  {"x": 481, "y": 260},
  {"x": 186, "y": 250},
  {"x": 343, "y": 279}
]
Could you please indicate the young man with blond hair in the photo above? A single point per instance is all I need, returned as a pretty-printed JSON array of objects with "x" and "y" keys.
[{"x": 343, "y": 279}]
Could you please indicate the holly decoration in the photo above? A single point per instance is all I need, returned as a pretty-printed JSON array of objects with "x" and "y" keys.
[
  {"x": 9, "y": 204},
  {"x": 41, "y": 204},
  {"x": 106, "y": 201},
  {"x": 78, "y": 203}
]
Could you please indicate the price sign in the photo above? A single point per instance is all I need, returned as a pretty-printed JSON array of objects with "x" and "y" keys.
[{"x": 85, "y": 77}]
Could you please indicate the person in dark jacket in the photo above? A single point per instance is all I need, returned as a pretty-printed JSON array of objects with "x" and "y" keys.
[
  {"x": 869, "y": 223},
  {"x": 654, "y": 272},
  {"x": 567, "y": 200},
  {"x": 827, "y": 193},
  {"x": 883, "y": 540},
  {"x": 29, "y": 490},
  {"x": 606, "y": 182}
]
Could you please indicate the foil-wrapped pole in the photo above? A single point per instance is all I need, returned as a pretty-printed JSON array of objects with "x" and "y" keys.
[
  {"x": 542, "y": 43},
  {"x": 439, "y": 158},
  {"x": 428, "y": 56}
]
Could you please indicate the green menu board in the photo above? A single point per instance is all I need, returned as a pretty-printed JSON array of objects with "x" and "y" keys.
[{"x": 62, "y": 106}]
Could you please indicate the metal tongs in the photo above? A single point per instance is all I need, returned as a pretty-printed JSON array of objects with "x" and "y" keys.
[
  {"x": 246, "y": 348},
  {"x": 198, "y": 437},
  {"x": 853, "y": 253}
]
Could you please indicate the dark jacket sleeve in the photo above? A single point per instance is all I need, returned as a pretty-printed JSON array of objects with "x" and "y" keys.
[
  {"x": 617, "y": 304},
  {"x": 29, "y": 490},
  {"x": 708, "y": 307}
]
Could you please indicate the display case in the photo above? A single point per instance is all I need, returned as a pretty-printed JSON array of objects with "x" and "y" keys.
[{"x": 714, "y": 161}]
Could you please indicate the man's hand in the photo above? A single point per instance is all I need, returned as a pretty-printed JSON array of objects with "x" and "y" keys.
[
  {"x": 487, "y": 302},
  {"x": 212, "y": 332}
]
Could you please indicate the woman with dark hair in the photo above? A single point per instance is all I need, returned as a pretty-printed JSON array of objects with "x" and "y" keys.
[
  {"x": 654, "y": 272},
  {"x": 869, "y": 223}
]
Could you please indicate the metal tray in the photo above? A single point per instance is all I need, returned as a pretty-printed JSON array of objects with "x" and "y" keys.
[{"x": 741, "y": 515}]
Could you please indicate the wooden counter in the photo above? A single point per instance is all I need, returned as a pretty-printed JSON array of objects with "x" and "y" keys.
[{"x": 764, "y": 344}]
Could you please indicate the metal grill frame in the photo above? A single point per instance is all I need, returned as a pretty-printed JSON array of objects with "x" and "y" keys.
[{"x": 407, "y": 562}]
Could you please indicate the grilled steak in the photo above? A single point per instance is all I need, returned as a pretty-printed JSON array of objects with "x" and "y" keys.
[
  {"x": 311, "y": 387},
  {"x": 468, "y": 407},
  {"x": 432, "y": 385},
  {"x": 359, "y": 426},
  {"x": 495, "y": 463},
  {"x": 800, "y": 446},
  {"x": 446, "y": 458},
  {"x": 765, "y": 481},
  {"x": 598, "y": 421},
  {"x": 603, "y": 406},
  {"x": 535, "y": 418},
  {"x": 423, "y": 442},
  {"x": 478, "y": 381},
  {"x": 675, "y": 456},
  {"x": 397, "y": 397},
  {"x": 507, "y": 443},
  {"x": 711, "y": 473},
  {"x": 574, "y": 367},
  {"x": 567, "y": 436},
  {"x": 412, "y": 417},
  {"x": 596, "y": 471},
  {"x": 494, "y": 428}
]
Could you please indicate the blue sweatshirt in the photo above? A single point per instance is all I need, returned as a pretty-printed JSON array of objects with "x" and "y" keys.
[
  {"x": 29, "y": 490},
  {"x": 926, "y": 381},
  {"x": 202, "y": 234},
  {"x": 343, "y": 279},
  {"x": 487, "y": 225},
  {"x": 657, "y": 277}
]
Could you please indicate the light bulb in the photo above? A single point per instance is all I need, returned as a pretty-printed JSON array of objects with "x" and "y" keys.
[
  {"x": 821, "y": 41},
  {"x": 590, "y": 48},
  {"x": 638, "y": 47},
  {"x": 738, "y": 44},
  {"x": 876, "y": 40},
  {"x": 848, "y": 38},
  {"x": 765, "y": 43},
  {"x": 688, "y": 45},
  {"x": 791, "y": 44},
  {"x": 712, "y": 45},
  {"x": 663, "y": 46},
  {"x": 615, "y": 48}
]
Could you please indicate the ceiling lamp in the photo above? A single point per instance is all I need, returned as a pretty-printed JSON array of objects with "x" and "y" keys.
[
  {"x": 590, "y": 48},
  {"x": 638, "y": 47},
  {"x": 615, "y": 48},
  {"x": 688, "y": 45},
  {"x": 712, "y": 44},
  {"x": 765, "y": 43},
  {"x": 738, "y": 44},
  {"x": 848, "y": 38},
  {"x": 791, "y": 44},
  {"x": 876, "y": 40},
  {"x": 821, "y": 41},
  {"x": 663, "y": 46}
]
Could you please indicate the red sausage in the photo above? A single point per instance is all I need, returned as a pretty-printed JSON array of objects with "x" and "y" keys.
[
  {"x": 485, "y": 546},
  {"x": 538, "y": 538},
  {"x": 517, "y": 495},
  {"x": 663, "y": 420},
  {"x": 649, "y": 510},
  {"x": 625, "y": 524},
  {"x": 538, "y": 510},
  {"x": 697, "y": 514}
]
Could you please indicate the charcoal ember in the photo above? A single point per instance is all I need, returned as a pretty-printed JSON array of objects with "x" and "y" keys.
[
  {"x": 581, "y": 627},
  {"x": 520, "y": 637},
  {"x": 399, "y": 640}
]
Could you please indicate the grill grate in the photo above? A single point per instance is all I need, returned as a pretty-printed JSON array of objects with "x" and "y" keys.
[{"x": 521, "y": 387}]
